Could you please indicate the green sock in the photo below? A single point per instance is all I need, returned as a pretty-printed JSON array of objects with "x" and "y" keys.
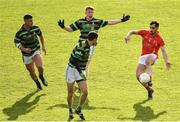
[{"x": 79, "y": 107}]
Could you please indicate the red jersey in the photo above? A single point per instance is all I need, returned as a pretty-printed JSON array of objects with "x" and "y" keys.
[{"x": 150, "y": 43}]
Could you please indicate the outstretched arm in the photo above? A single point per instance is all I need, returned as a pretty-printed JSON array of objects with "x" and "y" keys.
[
  {"x": 67, "y": 28},
  {"x": 116, "y": 21},
  {"x": 165, "y": 56},
  {"x": 113, "y": 22},
  {"x": 131, "y": 32}
]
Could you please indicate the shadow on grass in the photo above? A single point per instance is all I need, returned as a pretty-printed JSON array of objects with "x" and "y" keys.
[
  {"x": 22, "y": 106},
  {"x": 75, "y": 103},
  {"x": 143, "y": 113}
]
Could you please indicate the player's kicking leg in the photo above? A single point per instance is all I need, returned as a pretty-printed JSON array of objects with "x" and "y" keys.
[
  {"x": 141, "y": 69},
  {"x": 84, "y": 93},
  {"x": 145, "y": 65},
  {"x": 149, "y": 62},
  {"x": 70, "y": 89},
  {"x": 30, "y": 68},
  {"x": 39, "y": 64}
]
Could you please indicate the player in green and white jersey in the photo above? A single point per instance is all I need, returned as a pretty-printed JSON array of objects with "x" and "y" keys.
[
  {"x": 89, "y": 23},
  {"x": 75, "y": 72},
  {"x": 26, "y": 39}
]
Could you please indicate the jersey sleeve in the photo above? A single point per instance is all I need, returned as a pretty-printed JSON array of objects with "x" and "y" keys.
[
  {"x": 103, "y": 23},
  {"x": 161, "y": 42},
  {"x": 38, "y": 31},
  {"x": 141, "y": 32},
  {"x": 75, "y": 26},
  {"x": 17, "y": 40}
]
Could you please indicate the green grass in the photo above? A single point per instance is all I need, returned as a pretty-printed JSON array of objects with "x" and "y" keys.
[{"x": 114, "y": 93}]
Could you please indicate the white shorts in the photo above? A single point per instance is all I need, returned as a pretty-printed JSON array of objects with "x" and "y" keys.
[
  {"x": 143, "y": 58},
  {"x": 29, "y": 59},
  {"x": 72, "y": 75}
]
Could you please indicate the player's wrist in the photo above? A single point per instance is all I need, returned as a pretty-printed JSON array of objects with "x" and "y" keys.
[
  {"x": 125, "y": 18},
  {"x": 62, "y": 26},
  {"x": 120, "y": 20}
]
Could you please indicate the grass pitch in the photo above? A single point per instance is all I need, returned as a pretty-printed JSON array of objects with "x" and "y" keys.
[{"x": 114, "y": 93}]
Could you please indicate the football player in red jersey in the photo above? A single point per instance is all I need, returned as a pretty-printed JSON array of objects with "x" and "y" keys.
[{"x": 151, "y": 43}]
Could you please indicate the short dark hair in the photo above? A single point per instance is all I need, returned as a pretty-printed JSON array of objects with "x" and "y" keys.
[
  {"x": 92, "y": 35},
  {"x": 27, "y": 16},
  {"x": 89, "y": 7},
  {"x": 155, "y": 22}
]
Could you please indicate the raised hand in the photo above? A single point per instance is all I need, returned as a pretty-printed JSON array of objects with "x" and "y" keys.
[
  {"x": 125, "y": 18},
  {"x": 61, "y": 23}
]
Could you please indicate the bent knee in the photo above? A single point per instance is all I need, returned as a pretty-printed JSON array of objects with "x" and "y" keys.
[
  {"x": 70, "y": 94},
  {"x": 32, "y": 72},
  {"x": 148, "y": 63},
  {"x": 85, "y": 92}
]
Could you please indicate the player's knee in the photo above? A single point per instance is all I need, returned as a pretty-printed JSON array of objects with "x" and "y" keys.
[
  {"x": 70, "y": 94},
  {"x": 148, "y": 63},
  {"x": 29, "y": 69},
  {"x": 32, "y": 73},
  {"x": 85, "y": 92}
]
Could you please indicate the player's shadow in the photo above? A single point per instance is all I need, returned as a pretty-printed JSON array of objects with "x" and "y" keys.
[
  {"x": 22, "y": 106},
  {"x": 143, "y": 113},
  {"x": 75, "y": 103}
]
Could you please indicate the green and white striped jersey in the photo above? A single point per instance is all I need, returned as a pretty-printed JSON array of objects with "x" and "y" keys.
[
  {"x": 28, "y": 39},
  {"x": 80, "y": 55},
  {"x": 86, "y": 26}
]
